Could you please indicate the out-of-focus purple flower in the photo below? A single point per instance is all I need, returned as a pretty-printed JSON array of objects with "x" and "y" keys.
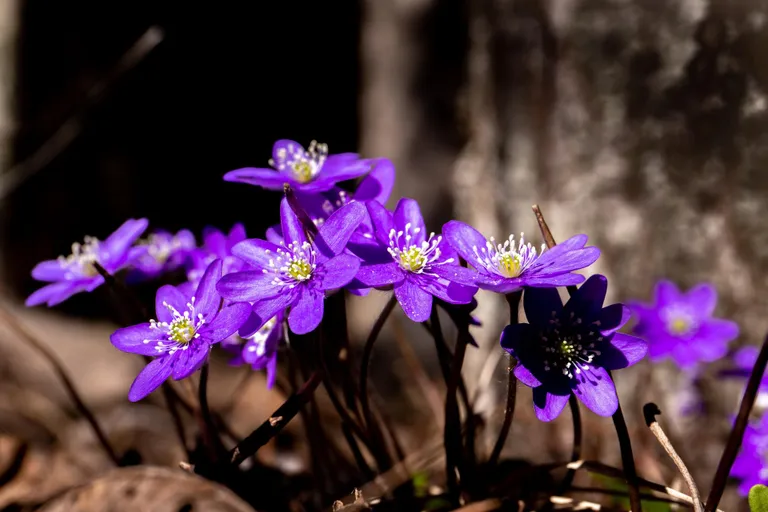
[
  {"x": 416, "y": 265},
  {"x": 160, "y": 252},
  {"x": 680, "y": 325},
  {"x": 216, "y": 245},
  {"x": 569, "y": 349},
  {"x": 298, "y": 272},
  {"x": 745, "y": 359},
  {"x": 310, "y": 170},
  {"x": 181, "y": 337},
  {"x": 507, "y": 267},
  {"x": 258, "y": 349},
  {"x": 751, "y": 465},
  {"x": 75, "y": 273}
]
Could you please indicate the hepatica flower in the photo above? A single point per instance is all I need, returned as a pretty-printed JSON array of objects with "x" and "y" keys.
[
  {"x": 76, "y": 273},
  {"x": 161, "y": 252},
  {"x": 216, "y": 245},
  {"x": 258, "y": 349},
  {"x": 298, "y": 272},
  {"x": 751, "y": 465},
  {"x": 418, "y": 266},
  {"x": 509, "y": 266},
  {"x": 680, "y": 325},
  {"x": 182, "y": 336},
  {"x": 569, "y": 349},
  {"x": 306, "y": 170}
]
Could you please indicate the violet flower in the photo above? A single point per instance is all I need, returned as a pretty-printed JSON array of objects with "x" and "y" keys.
[
  {"x": 216, "y": 244},
  {"x": 569, "y": 349},
  {"x": 751, "y": 465},
  {"x": 417, "y": 266},
  {"x": 76, "y": 273},
  {"x": 297, "y": 273},
  {"x": 310, "y": 170},
  {"x": 680, "y": 325},
  {"x": 160, "y": 252},
  {"x": 258, "y": 349},
  {"x": 182, "y": 336},
  {"x": 508, "y": 267},
  {"x": 745, "y": 359}
]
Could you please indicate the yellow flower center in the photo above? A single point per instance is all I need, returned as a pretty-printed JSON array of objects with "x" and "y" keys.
[
  {"x": 412, "y": 259},
  {"x": 181, "y": 330},
  {"x": 302, "y": 171},
  {"x": 300, "y": 270},
  {"x": 510, "y": 264},
  {"x": 679, "y": 326}
]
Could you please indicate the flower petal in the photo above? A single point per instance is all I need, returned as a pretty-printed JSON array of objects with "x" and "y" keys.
[
  {"x": 711, "y": 340},
  {"x": 115, "y": 247},
  {"x": 407, "y": 211},
  {"x": 746, "y": 357},
  {"x": 623, "y": 350},
  {"x": 293, "y": 231},
  {"x": 248, "y": 286},
  {"x": 252, "y": 324},
  {"x": 548, "y": 406},
  {"x": 666, "y": 293},
  {"x": 464, "y": 239},
  {"x": 47, "y": 292},
  {"x": 334, "y": 233},
  {"x": 382, "y": 220},
  {"x": 265, "y": 178},
  {"x": 703, "y": 299},
  {"x": 207, "y": 299},
  {"x": 525, "y": 376},
  {"x": 551, "y": 281},
  {"x": 416, "y": 303},
  {"x": 380, "y": 275},
  {"x": 171, "y": 296},
  {"x": 565, "y": 262},
  {"x": 539, "y": 303},
  {"x": 190, "y": 360},
  {"x": 137, "y": 339},
  {"x": 227, "y": 322},
  {"x": 307, "y": 313},
  {"x": 572, "y": 244},
  {"x": 275, "y": 234},
  {"x": 151, "y": 377},
  {"x": 341, "y": 167},
  {"x": 336, "y": 272},
  {"x": 378, "y": 184},
  {"x": 267, "y": 308},
  {"x": 595, "y": 389},
  {"x": 49, "y": 271},
  {"x": 256, "y": 252},
  {"x": 587, "y": 302},
  {"x": 456, "y": 274},
  {"x": 613, "y": 318},
  {"x": 450, "y": 292}
]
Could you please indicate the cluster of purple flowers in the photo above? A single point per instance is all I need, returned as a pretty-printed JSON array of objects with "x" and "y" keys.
[{"x": 242, "y": 292}]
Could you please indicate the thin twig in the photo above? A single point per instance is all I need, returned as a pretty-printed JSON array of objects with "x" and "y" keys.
[
  {"x": 452, "y": 431},
  {"x": 650, "y": 410},
  {"x": 210, "y": 434},
  {"x": 61, "y": 372},
  {"x": 737, "y": 434},
  {"x": 627, "y": 459}
]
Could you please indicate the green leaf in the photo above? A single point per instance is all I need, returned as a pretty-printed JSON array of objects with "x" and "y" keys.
[{"x": 758, "y": 498}]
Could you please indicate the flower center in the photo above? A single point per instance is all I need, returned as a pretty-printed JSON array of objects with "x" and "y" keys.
[
  {"x": 505, "y": 259},
  {"x": 82, "y": 258},
  {"x": 679, "y": 326},
  {"x": 180, "y": 331},
  {"x": 572, "y": 353},
  {"x": 292, "y": 264},
  {"x": 412, "y": 257},
  {"x": 300, "y": 270},
  {"x": 303, "y": 165},
  {"x": 678, "y": 320}
]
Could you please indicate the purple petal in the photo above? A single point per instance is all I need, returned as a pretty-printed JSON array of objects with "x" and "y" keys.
[
  {"x": 703, "y": 299},
  {"x": 565, "y": 262},
  {"x": 227, "y": 322},
  {"x": 252, "y": 324},
  {"x": 667, "y": 293},
  {"x": 215, "y": 242},
  {"x": 151, "y": 377},
  {"x": 595, "y": 389},
  {"x": 344, "y": 166},
  {"x": 171, "y": 296},
  {"x": 335, "y": 232},
  {"x": 622, "y": 351},
  {"x": 265, "y": 178},
  {"x": 407, "y": 211},
  {"x": 456, "y": 274},
  {"x": 256, "y": 252},
  {"x": 587, "y": 302},
  {"x": 132, "y": 339},
  {"x": 48, "y": 292},
  {"x": 525, "y": 376},
  {"x": 464, "y": 239},
  {"x": 275, "y": 234},
  {"x": 267, "y": 308},
  {"x": 380, "y": 275},
  {"x": 711, "y": 340},
  {"x": 572, "y": 244},
  {"x": 293, "y": 231},
  {"x": 552, "y": 281},
  {"x": 235, "y": 236},
  {"x": 416, "y": 303},
  {"x": 746, "y": 357},
  {"x": 337, "y": 272},
  {"x": 546, "y": 405},
  {"x": 49, "y": 271},
  {"x": 118, "y": 243},
  {"x": 450, "y": 292},
  {"x": 190, "y": 360},
  {"x": 613, "y": 317},
  {"x": 207, "y": 300},
  {"x": 382, "y": 220},
  {"x": 378, "y": 185},
  {"x": 539, "y": 303},
  {"x": 307, "y": 313},
  {"x": 515, "y": 337},
  {"x": 271, "y": 370},
  {"x": 248, "y": 286}
]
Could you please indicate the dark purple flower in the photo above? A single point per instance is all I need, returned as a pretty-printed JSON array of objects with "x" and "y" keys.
[
  {"x": 680, "y": 325},
  {"x": 751, "y": 465},
  {"x": 298, "y": 272},
  {"x": 508, "y": 267},
  {"x": 160, "y": 252},
  {"x": 745, "y": 359},
  {"x": 569, "y": 349},
  {"x": 181, "y": 337},
  {"x": 258, "y": 349},
  {"x": 311, "y": 170},
  {"x": 216, "y": 245},
  {"x": 75, "y": 273},
  {"x": 416, "y": 265}
]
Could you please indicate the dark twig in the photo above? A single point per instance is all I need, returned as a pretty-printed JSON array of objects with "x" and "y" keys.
[
  {"x": 650, "y": 410},
  {"x": 452, "y": 431},
  {"x": 61, "y": 372},
  {"x": 275, "y": 423},
  {"x": 210, "y": 434},
  {"x": 737, "y": 434},
  {"x": 627, "y": 459}
]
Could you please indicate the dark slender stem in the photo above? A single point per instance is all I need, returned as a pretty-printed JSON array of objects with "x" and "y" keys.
[
  {"x": 650, "y": 411},
  {"x": 627, "y": 459},
  {"x": 61, "y": 372},
  {"x": 737, "y": 434},
  {"x": 452, "y": 432},
  {"x": 275, "y": 423},
  {"x": 366, "y": 359},
  {"x": 170, "y": 400},
  {"x": 210, "y": 434}
]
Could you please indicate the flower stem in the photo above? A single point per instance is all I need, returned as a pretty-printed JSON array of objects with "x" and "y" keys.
[
  {"x": 627, "y": 459},
  {"x": 275, "y": 423},
  {"x": 650, "y": 411},
  {"x": 61, "y": 372},
  {"x": 737, "y": 434},
  {"x": 210, "y": 433},
  {"x": 452, "y": 431}
]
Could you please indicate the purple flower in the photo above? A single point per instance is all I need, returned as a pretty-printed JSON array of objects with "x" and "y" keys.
[
  {"x": 311, "y": 170},
  {"x": 751, "y": 465},
  {"x": 745, "y": 359},
  {"x": 183, "y": 333},
  {"x": 506, "y": 268},
  {"x": 258, "y": 349},
  {"x": 298, "y": 272},
  {"x": 216, "y": 245},
  {"x": 565, "y": 349},
  {"x": 680, "y": 325},
  {"x": 161, "y": 252},
  {"x": 417, "y": 266},
  {"x": 75, "y": 273}
]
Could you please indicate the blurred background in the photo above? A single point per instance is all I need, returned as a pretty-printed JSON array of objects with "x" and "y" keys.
[{"x": 639, "y": 122}]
